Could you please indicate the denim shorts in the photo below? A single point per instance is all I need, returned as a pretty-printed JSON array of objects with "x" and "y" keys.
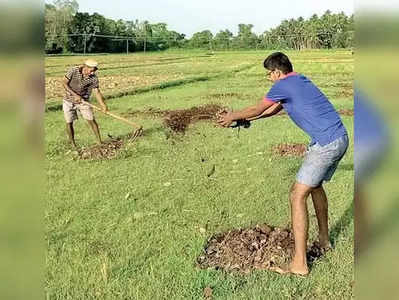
[{"x": 321, "y": 162}]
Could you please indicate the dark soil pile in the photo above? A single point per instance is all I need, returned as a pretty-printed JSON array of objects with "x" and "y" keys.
[
  {"x": 178, "y": 120},
  {"x": 243, "y": 250},
  {"x": 289, "y": 149},
  {"x": 106, "y": 150}
]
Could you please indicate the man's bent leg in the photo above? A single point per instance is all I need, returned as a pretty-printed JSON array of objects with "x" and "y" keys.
[
  {"x": 94, "y": 126},
  {"x": 320, "y": 204},
  {"x": 71, "y": 133},
  {"x": 300, "y": 225}
]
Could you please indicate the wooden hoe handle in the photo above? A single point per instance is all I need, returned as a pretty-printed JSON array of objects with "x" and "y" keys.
[{"x": 114, "y": 115}]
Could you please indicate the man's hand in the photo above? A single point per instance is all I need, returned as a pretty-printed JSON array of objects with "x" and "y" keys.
[
  {"x": 104, "y": 107},
  {"x": 226, "y": 119},
  {"x": 77, "y": 99}
]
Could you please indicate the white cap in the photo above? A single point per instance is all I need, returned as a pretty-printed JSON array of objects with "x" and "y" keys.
[{"x": 91, "y": 63}]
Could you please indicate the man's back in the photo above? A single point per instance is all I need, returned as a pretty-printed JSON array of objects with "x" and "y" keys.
[{"x": 308, "y": 107}]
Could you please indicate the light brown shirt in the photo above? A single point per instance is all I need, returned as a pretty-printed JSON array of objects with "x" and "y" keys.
[{"x": 80, "y": 84}]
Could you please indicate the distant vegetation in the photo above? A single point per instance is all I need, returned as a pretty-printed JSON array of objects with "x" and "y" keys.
[{"x": 69, "y": 31}]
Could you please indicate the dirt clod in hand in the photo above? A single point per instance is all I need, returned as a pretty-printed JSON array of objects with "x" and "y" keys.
[
  {"x": 289, "y": 149},
  {"x": 244, "y": 250},
  {"x": 178, "y": 120}
]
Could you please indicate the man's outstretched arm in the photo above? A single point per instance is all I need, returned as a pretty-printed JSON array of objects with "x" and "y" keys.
[
  {"x": 249, "y": 112},
  {"x": 271, "y": 111}
]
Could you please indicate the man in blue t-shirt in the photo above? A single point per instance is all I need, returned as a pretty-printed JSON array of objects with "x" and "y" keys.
[{"x": 311, "y": 111}]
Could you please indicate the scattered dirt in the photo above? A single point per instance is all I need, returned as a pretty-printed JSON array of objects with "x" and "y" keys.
[
  {"x": 227, "y": 95},
  {"x": 346, "y": 112},
  {"x": 289, "y": 149},
  {"x": 150, "y": 112},
  {"x": 244, "y": 250},
  {"x": 178, "y": 120}
]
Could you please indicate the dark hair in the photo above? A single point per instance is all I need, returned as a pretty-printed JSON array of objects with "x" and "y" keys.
[{"x": 278, "y": 60}]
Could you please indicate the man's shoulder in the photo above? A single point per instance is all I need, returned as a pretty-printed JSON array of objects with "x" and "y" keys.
[
  {"x": 72, "y": 70},
  {"x": 293, "y": 80}
]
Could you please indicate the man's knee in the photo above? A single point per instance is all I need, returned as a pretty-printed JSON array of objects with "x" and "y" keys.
[{"x": 299, "y": 192}]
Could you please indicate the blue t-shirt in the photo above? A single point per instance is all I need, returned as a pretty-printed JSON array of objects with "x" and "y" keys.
[{"x": 308, "y": 107}]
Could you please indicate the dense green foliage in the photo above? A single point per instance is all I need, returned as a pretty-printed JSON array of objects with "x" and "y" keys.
[{"x": 67, "y": 30}]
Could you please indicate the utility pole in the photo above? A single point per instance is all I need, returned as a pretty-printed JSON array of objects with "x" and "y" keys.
[
  {"x": 127, "y": 46},
  {"x": 145, "y": 42},
  {"x": 145, "y": 37},
  {"x": 84, "y": 47}
]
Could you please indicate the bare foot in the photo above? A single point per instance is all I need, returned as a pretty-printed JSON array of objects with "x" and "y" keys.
[
  {"x": 292, "y": 269},
  {"x": 324, "y": 245}
]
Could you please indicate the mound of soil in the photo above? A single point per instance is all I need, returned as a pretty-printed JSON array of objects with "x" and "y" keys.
[
  {"x": 178, "y": 120},
  {"x": 106, "y": 150},
  {"x": 243, "y": 250},
  {"x": 289, "y": 149}
]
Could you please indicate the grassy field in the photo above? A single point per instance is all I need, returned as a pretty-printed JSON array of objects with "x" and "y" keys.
[{"x": 129, "y": 228}]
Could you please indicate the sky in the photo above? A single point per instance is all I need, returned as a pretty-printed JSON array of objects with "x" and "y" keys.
[{"x": 190, "y": 16}]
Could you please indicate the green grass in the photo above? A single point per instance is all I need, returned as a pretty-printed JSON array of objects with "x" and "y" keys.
[{"x": 128, "y": 228}]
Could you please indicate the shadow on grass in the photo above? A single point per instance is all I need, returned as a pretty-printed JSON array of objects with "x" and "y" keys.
[
  {"x": 315, "y": 254},
  {"x": 342, "y": 224}
]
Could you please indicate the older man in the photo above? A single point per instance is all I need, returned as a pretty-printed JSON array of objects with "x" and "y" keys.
[{"x": 79, "y": 82}]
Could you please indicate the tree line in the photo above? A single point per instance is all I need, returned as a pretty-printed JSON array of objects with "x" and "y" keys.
[{"x": 69, "y": 31}]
